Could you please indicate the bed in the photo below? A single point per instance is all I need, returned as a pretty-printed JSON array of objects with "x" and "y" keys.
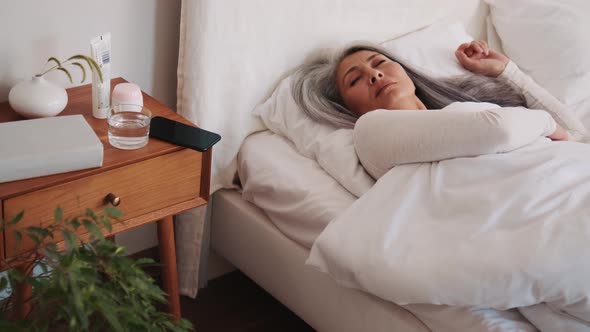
[{"x": 232, "y": 56}]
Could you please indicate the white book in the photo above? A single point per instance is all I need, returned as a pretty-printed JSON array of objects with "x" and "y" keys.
[{"x": 31, "y": 148}]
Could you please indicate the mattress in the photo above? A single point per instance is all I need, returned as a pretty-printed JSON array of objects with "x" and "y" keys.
[{"x": 244, "y": 235}]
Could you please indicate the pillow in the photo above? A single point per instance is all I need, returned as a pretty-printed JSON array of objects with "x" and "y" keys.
[
  {"x": 332, "y": 148},
  {"x": 549, "y": 41},
  {"x": 294, "y": 191},
  {"x": 430, "y": 49}
]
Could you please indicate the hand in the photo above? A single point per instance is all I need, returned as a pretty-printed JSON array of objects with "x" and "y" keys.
[
  {"x": 559, "y": 134},
  {"x": 477, "y": 57}
]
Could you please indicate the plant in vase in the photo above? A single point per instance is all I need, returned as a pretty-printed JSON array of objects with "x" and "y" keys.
[
  {"x": 38, "y": 98},
  {"x": 87, "y": 286}
]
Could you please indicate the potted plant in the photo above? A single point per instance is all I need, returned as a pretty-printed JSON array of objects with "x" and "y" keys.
[
  {"x": 88, "y": 286},
  {"x": 37, "y": 97}
]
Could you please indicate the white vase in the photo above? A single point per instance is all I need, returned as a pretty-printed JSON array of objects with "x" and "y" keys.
[{"x": 37, "y": 98}]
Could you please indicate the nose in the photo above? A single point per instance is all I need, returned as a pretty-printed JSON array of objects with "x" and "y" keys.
[{"x": 376, "y": 75}]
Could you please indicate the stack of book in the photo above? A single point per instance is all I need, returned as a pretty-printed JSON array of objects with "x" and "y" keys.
[{"x": 32, "y": 148}]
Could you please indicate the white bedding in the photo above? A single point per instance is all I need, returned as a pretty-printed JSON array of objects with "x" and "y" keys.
[
  {"x": 498, "y": 231},
  {"x": 300, "y": 198}
]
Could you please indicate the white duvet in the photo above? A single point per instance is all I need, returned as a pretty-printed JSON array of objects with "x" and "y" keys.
[{"x": 493, "y": 231}]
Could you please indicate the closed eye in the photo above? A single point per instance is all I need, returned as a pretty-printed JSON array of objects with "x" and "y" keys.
[
  {"x": 380, "y": 62},
  {"x": 353, "y": 82}
]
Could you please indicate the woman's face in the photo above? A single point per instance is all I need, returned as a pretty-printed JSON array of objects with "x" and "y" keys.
[{"x": 368, "y": 80}]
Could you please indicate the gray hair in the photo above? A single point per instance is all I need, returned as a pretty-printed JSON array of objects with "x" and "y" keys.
[{"x": 315, "y": 89}]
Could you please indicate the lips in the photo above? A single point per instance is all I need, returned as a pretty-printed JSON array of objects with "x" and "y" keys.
[{"x": 383, "y": 87}]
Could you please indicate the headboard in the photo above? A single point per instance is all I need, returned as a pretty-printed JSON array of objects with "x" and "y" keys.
[{"x": 233, "y": 53}]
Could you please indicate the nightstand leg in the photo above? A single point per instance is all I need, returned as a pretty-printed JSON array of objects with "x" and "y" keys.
[
  {"x": 23, "y": 292},
  {"x": 168, "y": 260}
]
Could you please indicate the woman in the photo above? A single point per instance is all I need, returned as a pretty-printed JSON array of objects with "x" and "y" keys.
[{"x": 434, "y": 120}]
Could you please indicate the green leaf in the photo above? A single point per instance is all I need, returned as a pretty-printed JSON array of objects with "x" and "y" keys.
[
  {"x": 15, "y": 276},
  {"x": 91, "y": 214},
  {"x": 75, "y": 223},
  {"x": 110, "y": 316},
  {"x": 92, "y": 228},
  {"x": 18, "y": 235},
  {"x": 54, "y": 60},
  {"x": 39, "y": 232},
  {"x": 67, "y": 73},
  {"x": 145, "y": 262},
  {"x": 79, "y": 306},
  {"x": 91, "y": 63},
  {"x": 34, "y": 237},
  {"x": 51, "y": 251},
  {"x": 3, "y": 283},
  {"x": 106, "y": 223},
  {"x": 16, "y": 218},
  {"x": 58, "y": 214},
  {"x": 66, "y": 262},
  {"x": 82, "y": 69},
  {"x": 113, "y": 212},
  {"x": 70, "y": 238},
  {"x": 118, "y": 251}
]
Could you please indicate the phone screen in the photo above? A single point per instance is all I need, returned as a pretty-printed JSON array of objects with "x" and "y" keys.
[{"x": 182, "y": 134}]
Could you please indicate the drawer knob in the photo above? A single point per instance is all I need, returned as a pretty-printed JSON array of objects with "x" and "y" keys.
[{"x": 113, "y": 199}]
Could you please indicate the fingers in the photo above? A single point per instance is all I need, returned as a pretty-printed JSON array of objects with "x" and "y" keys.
[
  {"x": 466, "y": 48},
  {"x": 470, "y": 63},
  {"x": 477, "y": 49},
  {"x": 462, "y": 47},
  {"x": 477, "y": 57},
  {"x": 482, "y": 47},
  {"x": 465, "y": 59}
]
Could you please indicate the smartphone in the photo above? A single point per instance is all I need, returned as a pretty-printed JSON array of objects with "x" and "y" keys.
[{"x": 182, "y": 134}]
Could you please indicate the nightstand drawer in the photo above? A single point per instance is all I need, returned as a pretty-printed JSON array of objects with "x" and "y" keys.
[{"x": 143, "y": 188}]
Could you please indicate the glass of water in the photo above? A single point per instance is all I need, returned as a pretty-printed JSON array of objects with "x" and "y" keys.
[{"x": 129, "y": 126}]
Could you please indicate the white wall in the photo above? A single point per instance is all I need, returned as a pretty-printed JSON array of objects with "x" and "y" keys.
[{"x": 144, "y": 49}]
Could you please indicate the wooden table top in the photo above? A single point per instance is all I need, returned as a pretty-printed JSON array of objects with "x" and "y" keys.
[{"x": 80, "y": 102}]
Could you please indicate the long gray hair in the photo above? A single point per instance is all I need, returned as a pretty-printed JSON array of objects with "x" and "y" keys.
[{"x": 315, "y": 89}]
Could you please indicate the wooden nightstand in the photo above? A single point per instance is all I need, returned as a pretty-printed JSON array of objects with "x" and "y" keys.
[{"x": 153, "y": 183}]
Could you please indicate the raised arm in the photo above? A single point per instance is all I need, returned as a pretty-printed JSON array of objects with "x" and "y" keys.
[
  {"x": 539, "y": 98},
  {"x": 478, "y": 58},
  {"x": 384, "y": 139}
]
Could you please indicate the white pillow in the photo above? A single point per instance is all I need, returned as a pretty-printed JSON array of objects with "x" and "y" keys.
[
  {"x": 332, "y": 148},
  {"x": 549, "y": 40},
  {"x": 294, "y": 191},
  {"x": 430, "y": 50}
]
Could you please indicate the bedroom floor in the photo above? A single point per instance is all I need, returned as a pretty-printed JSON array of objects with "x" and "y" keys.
[{"x": 234, "y": 303}]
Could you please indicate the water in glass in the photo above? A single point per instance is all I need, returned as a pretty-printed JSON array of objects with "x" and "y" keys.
[{"x": 128, "y": 130}]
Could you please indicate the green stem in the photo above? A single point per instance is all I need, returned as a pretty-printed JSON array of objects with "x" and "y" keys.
[
  {"x": 65, "y": 63},
  {"x": 47, "y": 71}
]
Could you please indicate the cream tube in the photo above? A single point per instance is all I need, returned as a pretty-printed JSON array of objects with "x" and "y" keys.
[{"x": 100, "y": 51}]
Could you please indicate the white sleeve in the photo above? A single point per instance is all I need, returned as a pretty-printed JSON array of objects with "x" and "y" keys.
[
  {"x": 539, "y": 98},
  {"x": 384, "y": 139}
]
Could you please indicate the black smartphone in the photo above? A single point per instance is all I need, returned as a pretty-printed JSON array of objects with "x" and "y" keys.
[{"x": 182, "y": 134}]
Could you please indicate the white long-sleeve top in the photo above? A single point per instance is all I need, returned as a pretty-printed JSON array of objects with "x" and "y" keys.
[{"x": 385, "y": 138}]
